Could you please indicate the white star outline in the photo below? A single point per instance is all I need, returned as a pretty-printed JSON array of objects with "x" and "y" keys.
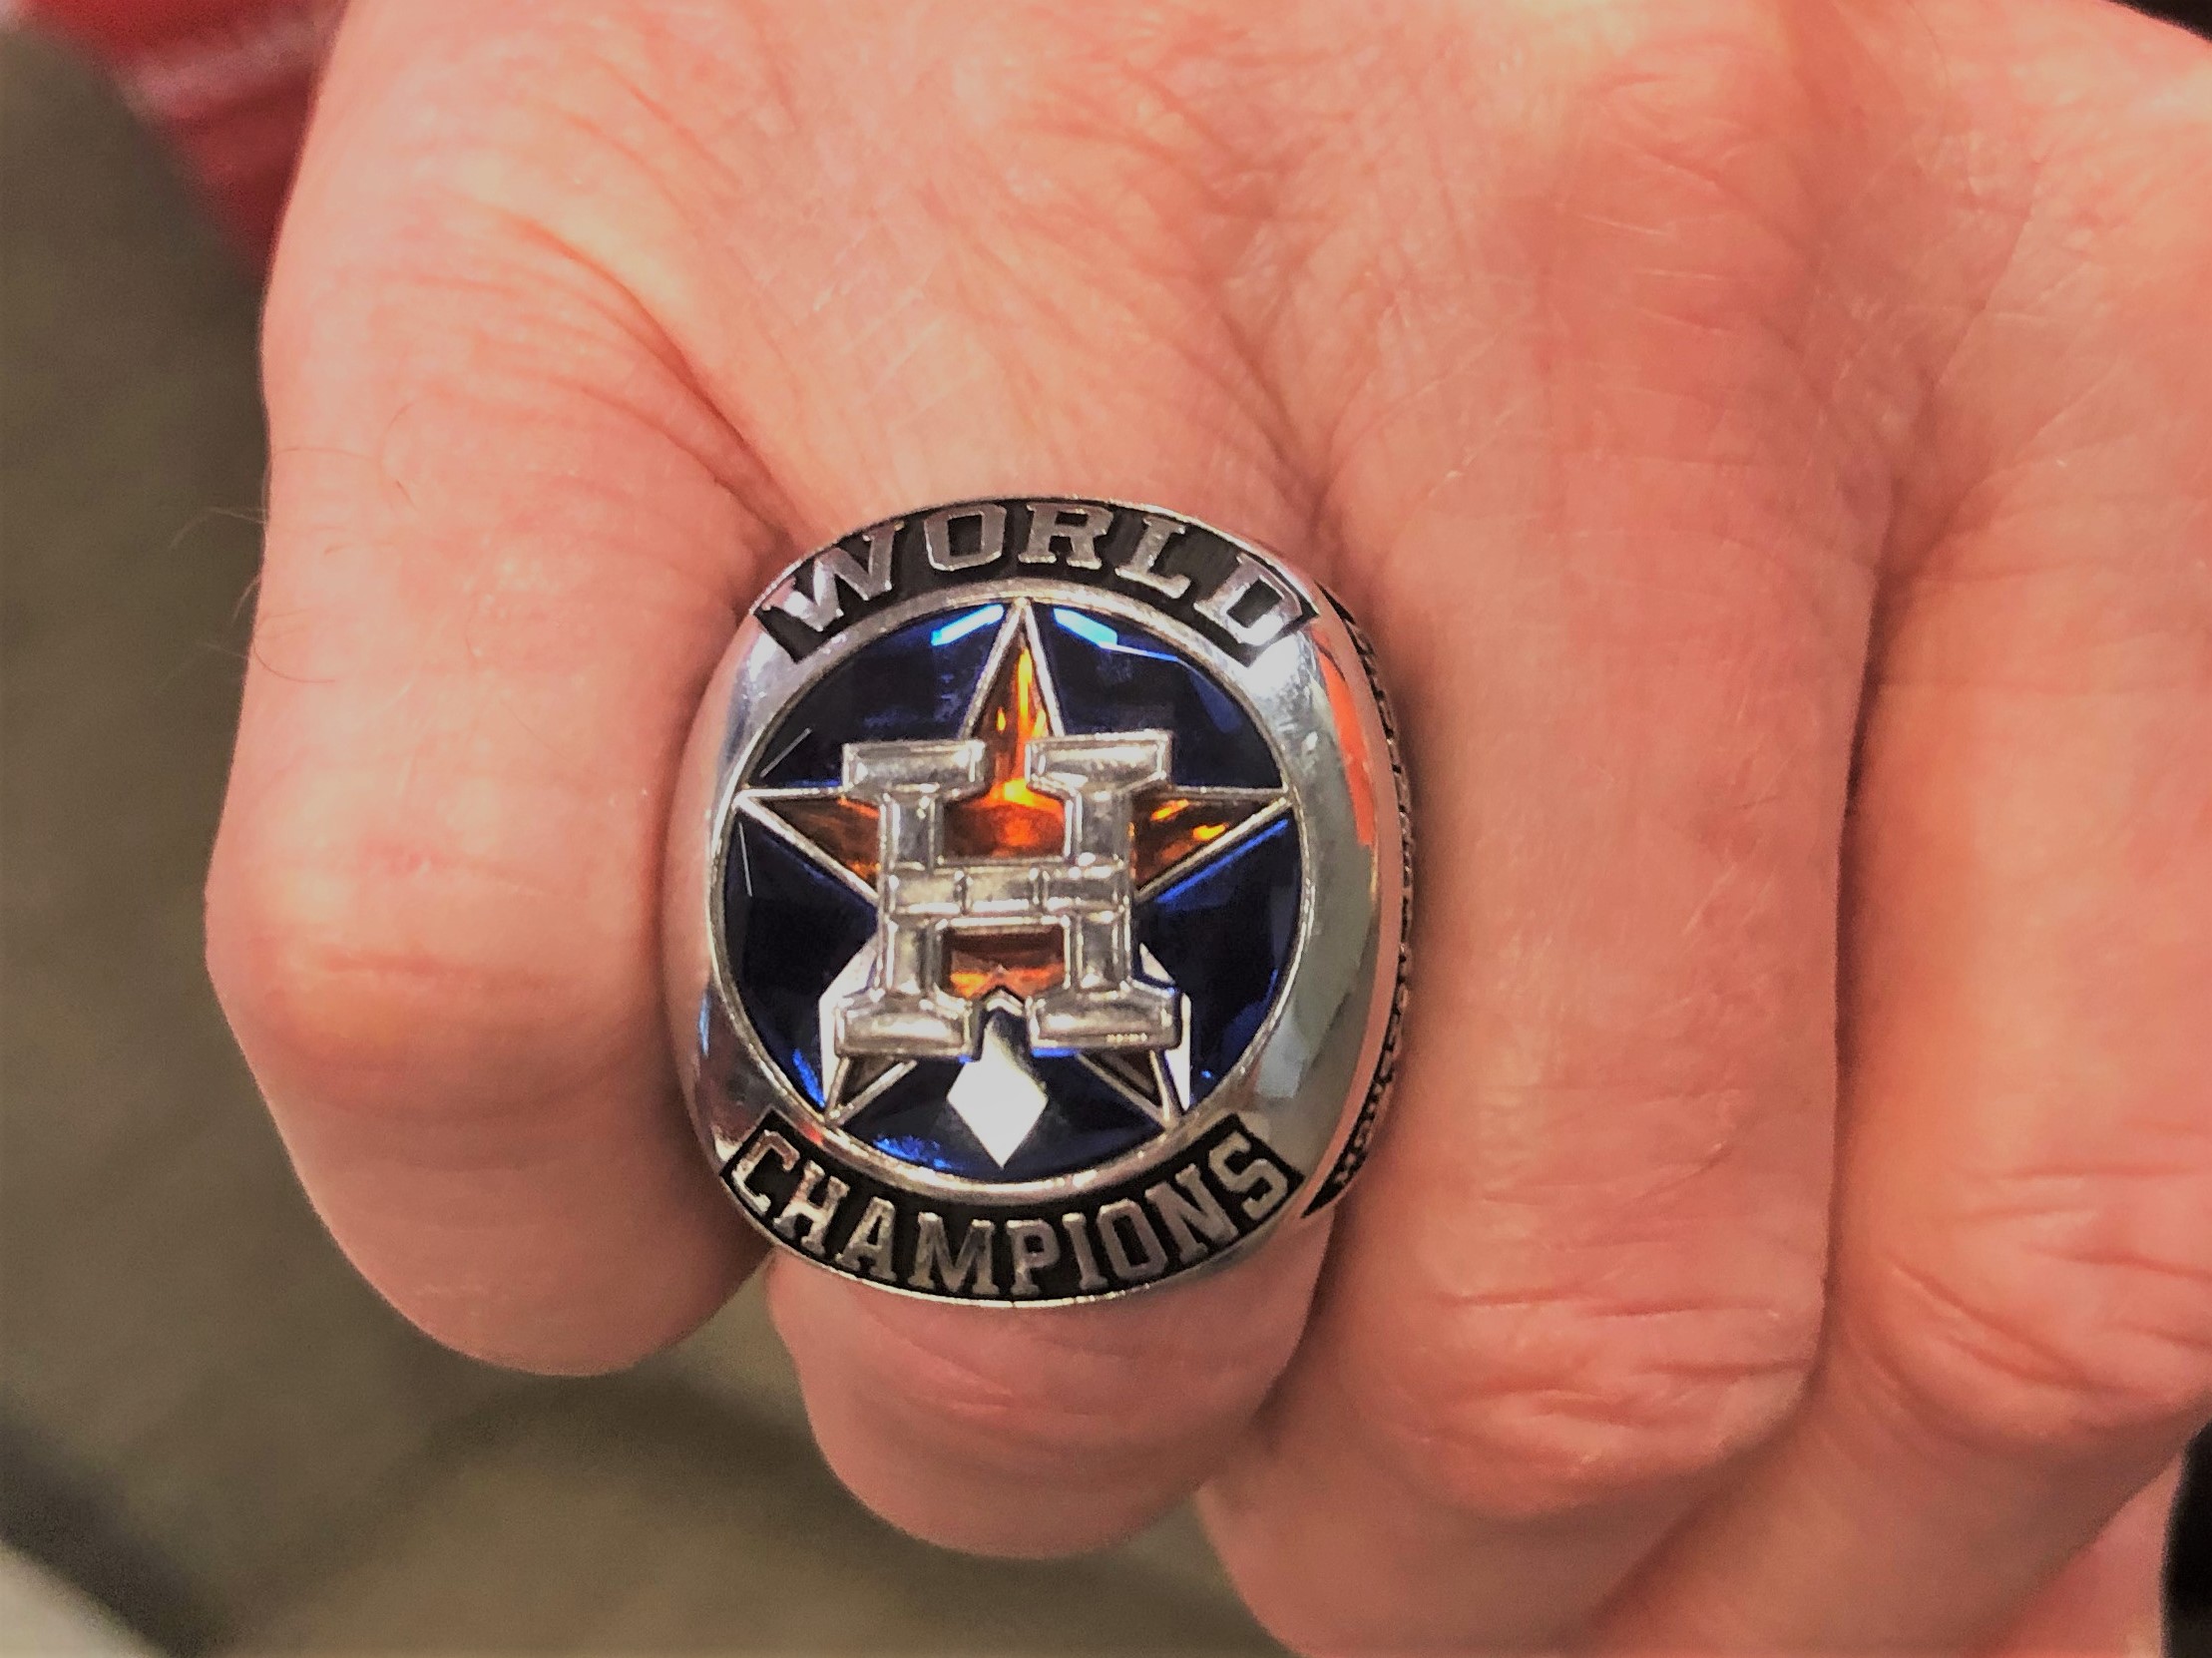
[{"x": 998, "y": 1094}]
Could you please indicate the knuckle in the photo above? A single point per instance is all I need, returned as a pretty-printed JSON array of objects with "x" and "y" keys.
[
  {"x": 1036, "y": 1436},
  {"x": 347, "y": 961},
  {"x": 575, "y": 1308},
  {"x": 2057, "y": 1332},
  {"x": 1067, "y": 1399},
  {"x": 1705, "y": 112},
  {"x": 1061, "y": 1435},
  {"x": 518, "y": 1334},
  {"x": 1549, "y": 1403}
]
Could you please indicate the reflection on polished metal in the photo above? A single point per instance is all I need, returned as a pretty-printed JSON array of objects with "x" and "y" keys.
[{"x": 1038, "y": 902}]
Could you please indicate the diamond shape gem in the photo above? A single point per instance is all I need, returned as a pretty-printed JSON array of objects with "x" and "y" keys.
[{"x": 998, "y": 1096}]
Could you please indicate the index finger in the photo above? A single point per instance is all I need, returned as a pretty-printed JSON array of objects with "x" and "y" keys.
[
  {"x": 502, "y": 540},
  {"x": 509, "y": 529}
]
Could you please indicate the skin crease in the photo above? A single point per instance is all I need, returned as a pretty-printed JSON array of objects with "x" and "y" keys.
[{"x": 1769, "y": 444}]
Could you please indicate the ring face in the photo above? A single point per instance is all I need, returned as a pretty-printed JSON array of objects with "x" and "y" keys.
[
  {"x": 1055, "y": 876},
  {"x": 1090, "y": 905}
]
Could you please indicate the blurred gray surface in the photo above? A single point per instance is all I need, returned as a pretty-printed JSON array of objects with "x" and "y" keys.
[{"x": 205, "y": 1422}]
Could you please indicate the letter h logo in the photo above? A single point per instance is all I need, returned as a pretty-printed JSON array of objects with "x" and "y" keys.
[{"x": 907, "y": 1010}]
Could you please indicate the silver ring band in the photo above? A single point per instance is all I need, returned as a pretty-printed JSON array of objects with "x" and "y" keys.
[{"x": 1037, "y": 899}]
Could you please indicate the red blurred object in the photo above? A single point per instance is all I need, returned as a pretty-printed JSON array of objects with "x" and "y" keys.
[{"x": 228, "y": 82}]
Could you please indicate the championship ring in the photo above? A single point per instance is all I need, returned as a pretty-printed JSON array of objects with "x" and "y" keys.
[{"x": 1038, "y": 902}]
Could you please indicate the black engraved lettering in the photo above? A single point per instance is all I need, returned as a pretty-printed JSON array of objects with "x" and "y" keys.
[
  {"x": 1072, "y": 525},
  {"x": 948, "y": 549},
  {"x": 1231, "y": 606},
  {"x": 935, "y": 1263},
  {"x": 1258, "y": 1180},
  {"x": 818, "y": 604},
  {"x": 1245, "y": 603},
  {"x": 739, "y": 1176},
  {"x": 1033, "y": 1245},
  {"x": 1087, "y": 1258},
  {"x": 1142, "y": 1229},
  {"x": 1142, "y": 566},
  {"x": 1122, "y": 1224},
  {"x": 869, "y": 1248},
  {"x": 1186, "y": 1216},
  {"x": 805, "y": 1218},
  {"x": 1362, "y": 1136}
]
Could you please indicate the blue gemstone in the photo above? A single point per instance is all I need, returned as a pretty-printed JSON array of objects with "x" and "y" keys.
[
  {"x": 1112, "y": 676},
  {"x": 1223, "y": 932},
  {"x": 1087, "y": 1123},
  {"x": 791, "y": 928},
  {"x": 1084, "y": 1121},
  {"x": 911, "y": 1122},
  {"x": 912, "y": 684},
  {"x": 1224, "y": 935}
]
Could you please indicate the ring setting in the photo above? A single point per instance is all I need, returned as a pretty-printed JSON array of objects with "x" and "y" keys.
[{"x": 1041, "y": 870}]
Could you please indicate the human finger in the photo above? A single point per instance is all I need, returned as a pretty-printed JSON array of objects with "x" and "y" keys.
[
  {"x": 503, "y": 541},
  {"x": 2020, "y": 1335},
  {"x": 2108, "y": 1598},
  {"x": 1584, "y": 1278}
]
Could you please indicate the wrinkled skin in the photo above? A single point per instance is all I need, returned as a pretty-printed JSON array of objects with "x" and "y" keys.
[{"x": 1769, "y": 440}]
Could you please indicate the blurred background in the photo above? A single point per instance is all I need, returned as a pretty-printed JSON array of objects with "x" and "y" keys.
[{"x": 214, "y": 1439}]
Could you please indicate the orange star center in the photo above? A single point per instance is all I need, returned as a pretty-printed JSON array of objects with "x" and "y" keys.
[
  {"x": 1009, "y": 820},
  {"x": 1012, "y": 819}
]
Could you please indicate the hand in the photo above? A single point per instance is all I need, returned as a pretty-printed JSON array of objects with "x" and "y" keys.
[{"x": 1769, "y": 442}]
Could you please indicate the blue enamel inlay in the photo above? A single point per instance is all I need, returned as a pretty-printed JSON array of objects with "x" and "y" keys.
[
  {"x": 1086, "y": 1121},
  {"x": 791, "y": 927},
  {"x": 1112, "y": 676},
  {"x": 1087, "y": 628},
  {"x": 911, "y": 1122},
  {"x": 1225, "y": 933},
  {"x": 948, "y": 632},
  {"x": 911, "y": 683}
]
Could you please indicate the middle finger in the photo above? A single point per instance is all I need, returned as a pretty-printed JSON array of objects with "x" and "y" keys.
[{"x": 1586, "y": 1269}]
